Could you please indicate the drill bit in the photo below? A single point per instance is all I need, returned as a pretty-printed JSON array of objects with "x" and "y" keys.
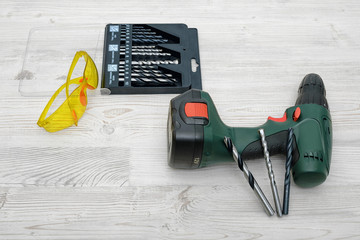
[
  {"x": 135, "y": 81},
  {"x": 147, "y": 53},
  {"x": 142, "y": 46},
  {"x": 145, "y": 40},
  {"x": 249, "y": 177},
  {"x": 148, "y": 71},
  {"x": 147, "y": 75},
  {"x": 287, "y": 171},
  {"x": 150, "y": 62},
  {"x": 140, "y": 28},
  {"x": 154, "y": 73},
  {"x": 146, "y": 36},
  {"x": 143, "y": 32},
  {"x": 143, "y": 49},
  {"x": 270, "y": 172},
  {"x": 145, "y": 67},
  {"x": 158, "y": 77}
]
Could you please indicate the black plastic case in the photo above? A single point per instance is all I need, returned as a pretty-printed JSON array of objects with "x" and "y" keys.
[{"x": 150, "y": 58}]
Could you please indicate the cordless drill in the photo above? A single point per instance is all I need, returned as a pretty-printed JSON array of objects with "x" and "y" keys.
[{"x": 196, "y": 133}]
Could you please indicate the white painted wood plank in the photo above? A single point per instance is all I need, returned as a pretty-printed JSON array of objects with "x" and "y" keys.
[{"x": 173, "y": 212}]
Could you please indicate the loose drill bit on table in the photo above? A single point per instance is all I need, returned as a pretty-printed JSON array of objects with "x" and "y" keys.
[
  {"x": 249, "y": 177},
  {"x": 287, "y": 171},
  {"x": 271, "y": 173}
]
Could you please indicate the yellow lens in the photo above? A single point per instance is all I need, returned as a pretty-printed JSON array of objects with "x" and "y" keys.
[
  {"x": 63, "y": 116},
  {"x": 76, "y": 108},
  {"x": 90, "y": 72}
]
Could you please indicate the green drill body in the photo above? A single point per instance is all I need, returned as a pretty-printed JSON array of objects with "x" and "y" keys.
[{"x": 196, "y": 133}]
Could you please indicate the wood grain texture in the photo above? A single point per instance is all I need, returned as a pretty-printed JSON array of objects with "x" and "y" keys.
[
  {"x": 170, "y": 212},
  {"x": 108, "y": 178}
]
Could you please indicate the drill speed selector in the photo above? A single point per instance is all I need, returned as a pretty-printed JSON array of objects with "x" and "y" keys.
[{"x": 295, "y": 116}]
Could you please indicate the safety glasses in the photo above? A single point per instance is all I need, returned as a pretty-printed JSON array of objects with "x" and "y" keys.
[{"x": 74, "y": 106}]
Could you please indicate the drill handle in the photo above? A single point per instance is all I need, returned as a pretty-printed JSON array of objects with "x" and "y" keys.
[{"x": 276, "y": 145}]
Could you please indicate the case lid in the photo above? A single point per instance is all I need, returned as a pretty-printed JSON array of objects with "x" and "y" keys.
[{"x": 49, "y": 53}]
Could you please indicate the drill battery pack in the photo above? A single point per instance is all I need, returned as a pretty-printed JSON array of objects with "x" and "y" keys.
[{"x": 150, "y": 58}]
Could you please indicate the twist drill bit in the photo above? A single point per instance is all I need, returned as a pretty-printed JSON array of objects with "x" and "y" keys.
[
  {"x": 143, "y": 32},
  {"x": 287, "y": 171},
  {"x": 136, "y": 73},
  {"x": 148, "y": 53},
  {"x": 143, "y": 50},
  {"x": 158, "y": 77},
  {"x": 249, "y": 177},
  {"x": 141, "y": 28},
  {"x": 146, "y": 36},
  {"x": 153, "y": 73},
  {"x": 271, "y": 173},
  {"x": 145, "y": 67},
  {"x": 135, "y": 81},
  {"x": 150, "y": 62},
  {"x": 146, "y": 40},
  {"x": 143, "y": 46}
]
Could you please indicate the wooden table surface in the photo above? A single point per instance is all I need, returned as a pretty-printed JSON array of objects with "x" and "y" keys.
[{"x": 108, "y": 178}]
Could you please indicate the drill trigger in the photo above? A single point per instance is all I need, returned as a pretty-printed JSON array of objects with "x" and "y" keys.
[{"x": 282, "y": 119}]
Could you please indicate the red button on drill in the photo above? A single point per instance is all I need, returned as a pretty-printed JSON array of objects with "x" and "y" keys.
[
  {"x": 296, "y": 114},
  {"x": 193, "y": 109}
]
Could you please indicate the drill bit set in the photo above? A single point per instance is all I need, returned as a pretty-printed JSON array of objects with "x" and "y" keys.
[{"x": 156, "y": 58}]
